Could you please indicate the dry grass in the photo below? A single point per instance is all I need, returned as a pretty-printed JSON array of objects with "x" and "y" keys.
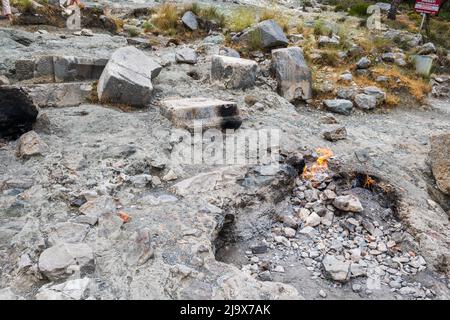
[
  {"x": 165, "y": 18},
  {"x": 416, "y": 86},
  {"x": 275, "y": 14},
  {"x": 241, "y": 19}
]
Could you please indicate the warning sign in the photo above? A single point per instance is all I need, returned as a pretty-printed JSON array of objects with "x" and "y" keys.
[{"x": 428, "y": 6}]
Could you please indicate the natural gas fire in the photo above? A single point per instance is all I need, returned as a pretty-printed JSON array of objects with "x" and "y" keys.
[
  {"x": 319, "y": 170},
  {"x": 368, "y": 182}
]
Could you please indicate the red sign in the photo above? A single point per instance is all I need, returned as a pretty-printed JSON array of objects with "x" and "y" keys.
[{"x": 428, "y": 6}]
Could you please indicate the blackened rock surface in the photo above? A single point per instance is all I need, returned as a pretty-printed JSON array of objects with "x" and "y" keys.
[{"x": 17, "y": 111}]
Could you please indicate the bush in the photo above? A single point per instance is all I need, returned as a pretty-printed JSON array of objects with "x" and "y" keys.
[
  {"x": 359, "y": 9},
  {"x": 148, "y": 26},
  {"x": 212, "y": 14},
  {"x": 320, "y": 29}
]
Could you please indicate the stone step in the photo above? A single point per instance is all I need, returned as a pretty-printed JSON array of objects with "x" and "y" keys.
[
  {"x": 189, "y": 113},
  {"x": 58, "y": 95},
  {"x": 49, "y": 68}
]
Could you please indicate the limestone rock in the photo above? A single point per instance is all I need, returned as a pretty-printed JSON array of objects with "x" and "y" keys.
[
  {"x": 30, "y": 144},
  {"x": 127, "y": 78},
  {"x": 204, "y": 112},
  {"x": 233, "y": 73},
  {"x": 292, "y": 73},
  {"x": 348, "y": 203},
  {"x": 363, "y": 63},
  {"x": 55, "y": 262},
  {"x": 92, "y": 210},
  {"x": 69, "y": 290},
  {"x": 336, "y": 269},
  {"x": 440, "y": 161}
]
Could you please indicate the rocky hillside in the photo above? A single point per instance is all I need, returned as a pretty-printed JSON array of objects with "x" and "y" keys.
[{"x": 104, "y": 194}]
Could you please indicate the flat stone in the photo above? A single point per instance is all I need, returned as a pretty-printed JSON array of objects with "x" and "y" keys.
[
  {"x": 292, "y": 73},
  {"x": 67, "y": 232},
  {"x": 209, "y": 113},
  {"x": 233, "y": 73},
  {"x": 55, "y": 261},
  {"x": 59, "y": 95}
]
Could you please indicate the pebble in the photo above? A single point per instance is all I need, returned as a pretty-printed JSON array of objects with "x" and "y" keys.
[{"x": 323, "y": 294}]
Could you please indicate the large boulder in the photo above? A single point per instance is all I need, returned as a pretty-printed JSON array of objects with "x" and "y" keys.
[
  {"x": 269, "y": 32},
  {"x": 127, "y": 78},
  {"x": 234, "y": 73},
  {"x": 210, "y": 113},
  {"x": 440, "y": 161},
  {"x": 292, "y": 73},
  {"x": 17, "y": 111}
]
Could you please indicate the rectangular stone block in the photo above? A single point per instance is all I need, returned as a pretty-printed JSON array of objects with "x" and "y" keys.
[
  {"x": 69, "y": 68},
  {"x": 209, "y": 113},
  {"x": 234, "y": 73},
  {"x": 24, "y": 69}
]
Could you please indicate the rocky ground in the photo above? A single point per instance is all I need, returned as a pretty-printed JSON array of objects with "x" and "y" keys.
[{"x": 94, "y": 205}]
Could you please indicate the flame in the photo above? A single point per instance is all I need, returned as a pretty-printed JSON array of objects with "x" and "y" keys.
[
  {"x": 320, "y": 167},
  {"x": 368, "y": 182}
]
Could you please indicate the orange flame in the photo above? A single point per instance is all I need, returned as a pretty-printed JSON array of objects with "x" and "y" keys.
[
  {"x": 368, "y": 181},
  {"x": 320, "y": 167}
]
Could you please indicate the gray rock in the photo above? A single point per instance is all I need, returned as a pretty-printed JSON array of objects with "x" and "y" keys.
[
  {"x": 17, "y": 111},
  {"x": 340, "y": 106},
  {"x": 363, "y": 63},
  {"x": 427, "y": 48},
  {"x": 379, "y": 94},
  {"x": 70, "y": 290},
  {"x": 186, "y": 55},
  {"x": 190, "y": 20},
  {"x": 70, "y": 68},
  {"x": 92, "y": 210},
  {"x": 30, "y": 144},
  {"x": 67, "y": 232},
  {"x": 229, "y": 52},
  {"x": 347, "y": 93},
  {"x": 233, "y": 73},
  {"x": 334, "y": 132},
  {"x": 336, "y": 269},
  {"x": 269, "y": 32},
  {"x": 127, "y": 78},
  {"x": 440, "y": 161},
  {"x": 388, "y": 57},
  {"x": 365, "y": 101},
  {"x": 292, "y": 73},
  {"x": 4, "y": 80},
  {"x": 348, "y": 203},
  {"x": 214, "y": 39},
  {"x": 209, "y": 113},
  {"x": 265, "y": 276},
  {"x": 58, "y": 95},
  {"x": 59, "y": 261}
]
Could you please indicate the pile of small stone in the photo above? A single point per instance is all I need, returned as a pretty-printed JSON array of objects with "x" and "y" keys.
[{"x": 333, "y": 237}]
